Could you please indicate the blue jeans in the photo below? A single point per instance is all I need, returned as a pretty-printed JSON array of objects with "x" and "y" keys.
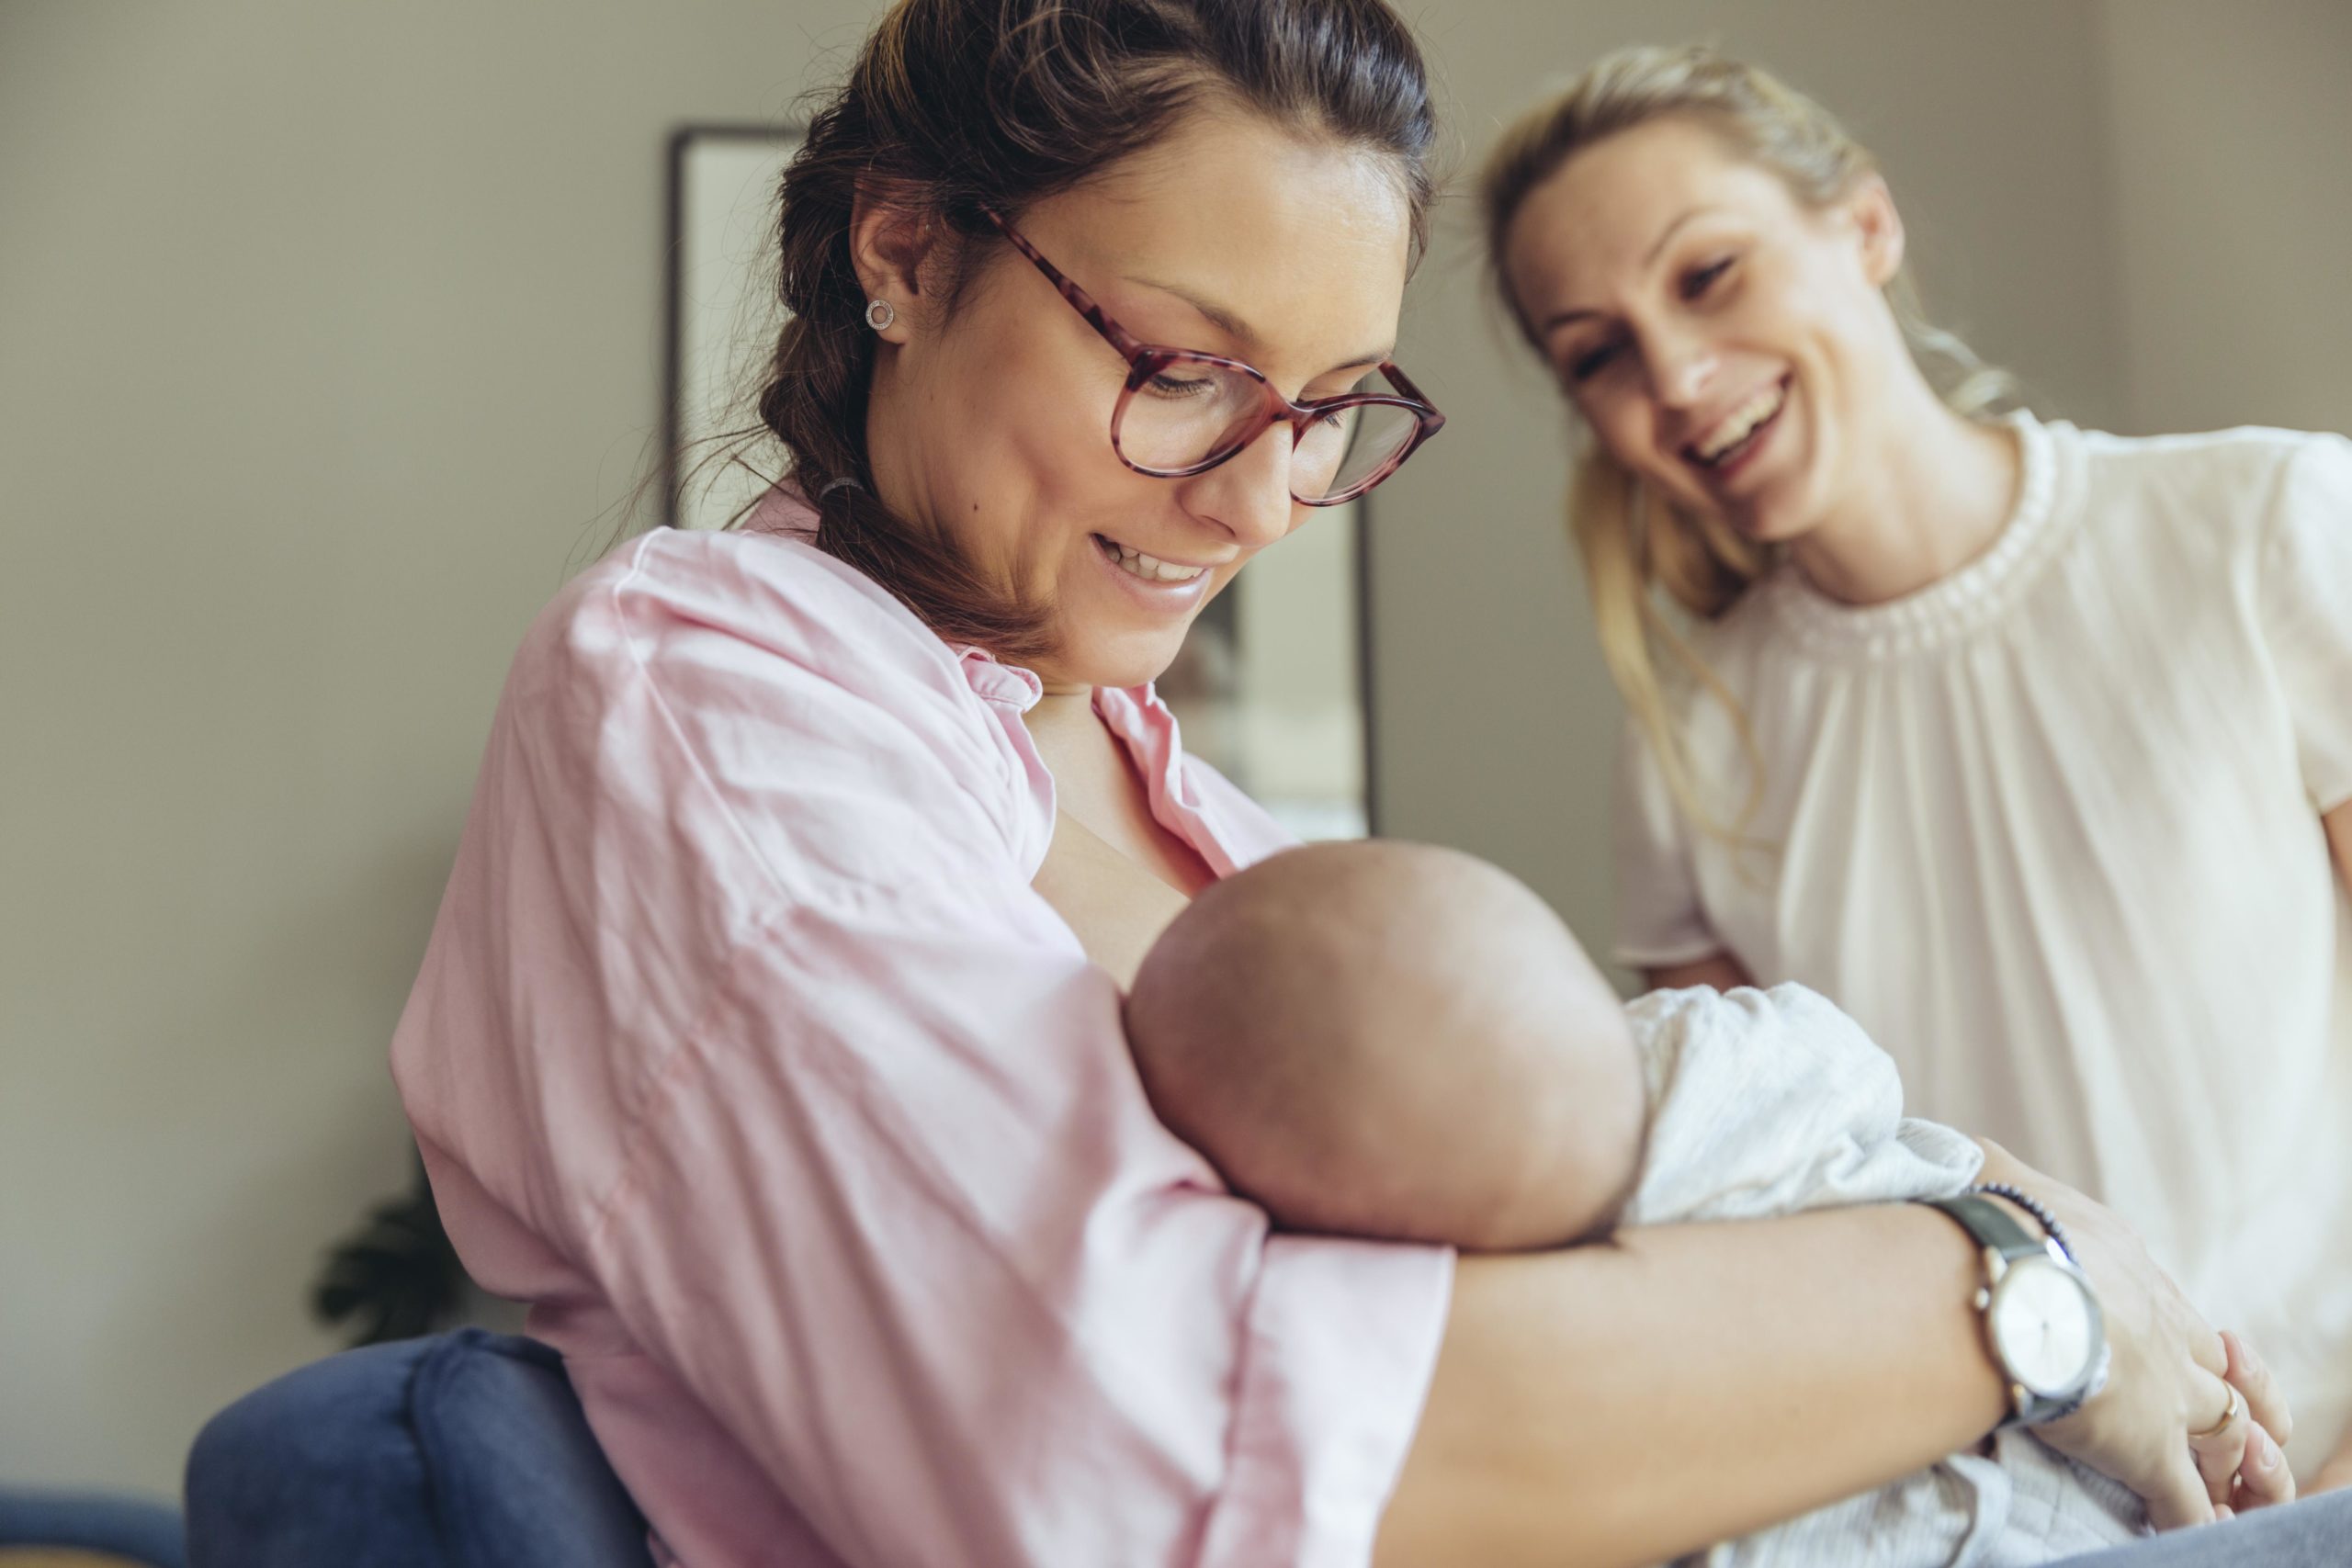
[
  {"x": 469, "y": 1448},
  {"x": 2313, "y": 1533}
]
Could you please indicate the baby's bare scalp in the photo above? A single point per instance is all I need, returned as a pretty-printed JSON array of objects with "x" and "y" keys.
[{"x": 1395, "y": 1040}]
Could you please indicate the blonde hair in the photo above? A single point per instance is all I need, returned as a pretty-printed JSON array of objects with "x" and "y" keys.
[{"x": 1631, "y": 545}]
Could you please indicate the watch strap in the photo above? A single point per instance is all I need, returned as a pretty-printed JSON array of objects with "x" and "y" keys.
[{"x": 1991, "y": 1225}]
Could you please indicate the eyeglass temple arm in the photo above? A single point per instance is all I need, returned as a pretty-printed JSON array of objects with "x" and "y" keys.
[
  {"x": 1129, "y": 347},
  {"x": 1133, "y": 348},
  {"x": 1404, "y": 384}
]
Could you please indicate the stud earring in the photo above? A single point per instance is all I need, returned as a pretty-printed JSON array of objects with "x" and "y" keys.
[{"x": 880, "y": 315}]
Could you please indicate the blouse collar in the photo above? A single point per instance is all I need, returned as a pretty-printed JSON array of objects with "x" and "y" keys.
[
  {"x": 1955, "y": 605},
  {"x": 1144, "y": 724}
]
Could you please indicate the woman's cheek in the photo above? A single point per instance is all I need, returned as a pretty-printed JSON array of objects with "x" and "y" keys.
[{"x": 1621, "y": 431}]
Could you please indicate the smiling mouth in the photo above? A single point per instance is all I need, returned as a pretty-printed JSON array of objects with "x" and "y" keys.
[
  {"x": 1151, "y": 568},
  {"x": 1738, "y": 430}
]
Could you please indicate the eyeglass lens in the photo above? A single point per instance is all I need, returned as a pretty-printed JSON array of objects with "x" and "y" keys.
[{"x": 1191, "y": 414}]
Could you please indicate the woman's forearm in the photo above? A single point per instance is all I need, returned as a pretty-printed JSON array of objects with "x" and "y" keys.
[{"x": 1624, "y": 1402}]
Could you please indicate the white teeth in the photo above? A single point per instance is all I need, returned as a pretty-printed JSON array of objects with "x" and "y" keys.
[
  {"x": 1740, "y": 424},
  {"x": 1153, "y": 569}
]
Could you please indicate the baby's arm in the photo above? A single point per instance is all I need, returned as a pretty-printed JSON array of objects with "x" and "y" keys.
[{"x": 1769, "y": 1102}]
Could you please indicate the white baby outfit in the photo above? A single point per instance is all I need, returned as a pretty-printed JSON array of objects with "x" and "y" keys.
[{"x": 1769, "y": 1102}]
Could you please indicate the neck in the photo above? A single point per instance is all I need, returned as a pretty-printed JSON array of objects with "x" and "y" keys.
[
  {"x": 1920, "y": 507},
  {"x": 1060, "y": 711}
]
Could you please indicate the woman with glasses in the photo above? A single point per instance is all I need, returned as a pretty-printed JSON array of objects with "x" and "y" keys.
[
  {"x": 769, "y": 1041},
  {"x": 2030, "y": 746}
]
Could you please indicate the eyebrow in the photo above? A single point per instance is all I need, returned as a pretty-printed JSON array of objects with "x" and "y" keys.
[
  {"x": 1561, "y": 318},
  {"x": 1241, "y": 331}
]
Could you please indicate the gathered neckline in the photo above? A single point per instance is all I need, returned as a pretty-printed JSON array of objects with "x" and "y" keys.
[{"x": 1955, "y": 605}]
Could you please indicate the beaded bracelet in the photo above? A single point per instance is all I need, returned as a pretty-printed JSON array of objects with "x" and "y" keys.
[{"x": 2035, "y": 1207}]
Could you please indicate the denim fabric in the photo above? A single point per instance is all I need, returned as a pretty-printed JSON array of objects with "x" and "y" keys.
[
  {"x": 141, "y": 1531},
  {"x": 2313, "y": 1533},
  {"x": 468, "y": 1450},
  {"x": 464, "y": 1450}
]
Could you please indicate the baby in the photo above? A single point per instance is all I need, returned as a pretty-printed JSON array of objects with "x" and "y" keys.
[{"x": 1403, "y": 1043}]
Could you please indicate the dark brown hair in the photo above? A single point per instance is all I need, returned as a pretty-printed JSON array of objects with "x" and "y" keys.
[{"x": 959, "y": 107}]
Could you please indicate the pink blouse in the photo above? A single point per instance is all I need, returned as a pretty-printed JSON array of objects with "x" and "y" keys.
[{"x": 745, "y": 1053}]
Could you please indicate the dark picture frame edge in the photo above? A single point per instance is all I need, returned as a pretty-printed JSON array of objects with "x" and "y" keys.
[{"x": 681, "y": 141}]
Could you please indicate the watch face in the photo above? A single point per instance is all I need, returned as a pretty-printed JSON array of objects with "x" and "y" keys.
[{"x": 2043, "y": 1321}]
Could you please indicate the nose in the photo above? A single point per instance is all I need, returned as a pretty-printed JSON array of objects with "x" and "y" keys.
[
  {"x": 1247, "y": 495},
  {"x": 1681, "y": 366}
]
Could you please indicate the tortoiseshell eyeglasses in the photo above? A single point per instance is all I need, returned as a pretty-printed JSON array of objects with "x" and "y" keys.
[{"x": 1182, "y": 412}]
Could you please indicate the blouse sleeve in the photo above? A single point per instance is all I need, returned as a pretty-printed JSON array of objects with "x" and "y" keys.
[
  {"x": 856, "y": 1149},
  {"x": 1660, "y": 919},
  {"x": 2306, "y": 600}
]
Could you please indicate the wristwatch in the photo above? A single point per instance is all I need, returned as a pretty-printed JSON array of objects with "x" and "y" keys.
[{"x": 2041, "y": 1318}]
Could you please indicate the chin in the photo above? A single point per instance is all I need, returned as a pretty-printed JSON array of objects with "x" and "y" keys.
[
  {"x": 1769, "y": 519},
  {"x": 1119, "y": 661},
  {"x": 1785, "y": 521},
  {"x": 1767, "y": 527}
]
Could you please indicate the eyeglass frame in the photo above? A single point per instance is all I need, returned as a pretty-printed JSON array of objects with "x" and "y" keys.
[{"x": 1146, "y": 360}]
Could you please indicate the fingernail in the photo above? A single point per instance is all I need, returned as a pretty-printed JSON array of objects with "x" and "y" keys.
[{"x": 2267, "y": 1455}]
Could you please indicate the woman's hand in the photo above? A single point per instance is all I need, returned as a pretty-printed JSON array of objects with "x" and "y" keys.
[
  {"x": 2240, "y": 1459},
  {"x": 2167, "y": 1376}
]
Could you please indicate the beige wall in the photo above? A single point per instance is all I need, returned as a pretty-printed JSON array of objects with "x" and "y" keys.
[
  {"x": 2231, "y": 130},
  {"x": 327, "y": 331}
]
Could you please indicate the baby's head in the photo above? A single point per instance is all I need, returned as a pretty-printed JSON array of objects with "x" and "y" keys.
[{"x": 1393, "y": 1040}]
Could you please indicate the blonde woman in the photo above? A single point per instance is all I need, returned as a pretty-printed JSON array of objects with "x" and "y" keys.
[{"x": 2031, "y": 746}]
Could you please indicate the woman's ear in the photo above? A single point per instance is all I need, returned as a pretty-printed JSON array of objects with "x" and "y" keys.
[
  {"x": 1878, "y": 227},
  {"x": 889, "y": 241}
]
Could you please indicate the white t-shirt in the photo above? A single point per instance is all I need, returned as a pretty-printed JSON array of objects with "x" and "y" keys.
[{"x": 2049, "y": 829}]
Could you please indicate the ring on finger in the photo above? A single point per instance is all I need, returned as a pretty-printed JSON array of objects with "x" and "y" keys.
[{"x": 2217, "y": 1428}]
